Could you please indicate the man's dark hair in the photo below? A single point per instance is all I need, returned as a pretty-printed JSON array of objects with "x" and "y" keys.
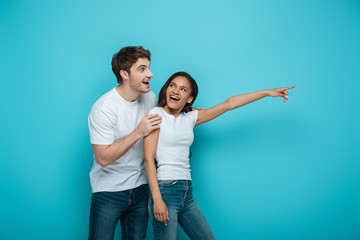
[
  {"x": 194, "y": 90},
  {"x": 126, "y": 57}
]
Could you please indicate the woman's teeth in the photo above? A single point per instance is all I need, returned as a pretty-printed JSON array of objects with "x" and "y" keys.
[{"x": 174, "y": 98}]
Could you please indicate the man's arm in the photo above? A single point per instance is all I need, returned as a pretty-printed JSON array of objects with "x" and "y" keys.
[{"x": 107, "y": 154}]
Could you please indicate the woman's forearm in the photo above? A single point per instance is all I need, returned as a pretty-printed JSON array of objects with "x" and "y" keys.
[
  {"x": 230, "y": 104},
  {"x": 238, "y": 101},
  {"x": 243, "y": 99},
  {"x": 152, "y": 179},
  {"x": 150, "y": 145}
]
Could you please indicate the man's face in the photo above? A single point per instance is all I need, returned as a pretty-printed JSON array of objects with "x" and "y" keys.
[{"x": 140, "y": 75}]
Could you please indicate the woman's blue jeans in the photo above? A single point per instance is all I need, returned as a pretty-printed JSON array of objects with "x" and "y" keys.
[
  {"x": 130, "y": 206},
  {"x": 177, "y": 195}
]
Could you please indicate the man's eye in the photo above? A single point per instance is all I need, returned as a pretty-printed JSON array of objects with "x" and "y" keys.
[{"x": 171, "y": 85}]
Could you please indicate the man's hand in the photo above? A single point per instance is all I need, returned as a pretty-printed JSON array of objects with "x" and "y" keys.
[{"x": 148, "y": 124}]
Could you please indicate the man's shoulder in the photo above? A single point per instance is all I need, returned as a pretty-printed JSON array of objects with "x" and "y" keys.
[
  {"x": 148, "y": 95},
  {"x": 106, "y": 101},
  {"x": 147, "y": 99}
]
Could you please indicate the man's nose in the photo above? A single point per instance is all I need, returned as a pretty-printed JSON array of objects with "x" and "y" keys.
[{"x": 150, "y": 75}]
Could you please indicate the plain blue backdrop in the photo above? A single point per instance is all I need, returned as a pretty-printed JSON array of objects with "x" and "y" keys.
[{"x": 268, "y": 170}]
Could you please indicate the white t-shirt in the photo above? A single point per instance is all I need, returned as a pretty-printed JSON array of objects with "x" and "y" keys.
[
  {"x": 175, "y": 138},
  {"x": 111, "y": 119}
]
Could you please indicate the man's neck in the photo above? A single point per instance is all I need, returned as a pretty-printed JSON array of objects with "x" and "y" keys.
[{"x": 127, "y": 93}]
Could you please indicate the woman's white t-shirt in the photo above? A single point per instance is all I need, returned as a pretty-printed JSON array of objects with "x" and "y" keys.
[{"x": 175, "y": 138}]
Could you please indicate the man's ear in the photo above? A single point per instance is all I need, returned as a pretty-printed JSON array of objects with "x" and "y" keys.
[{"x": 124, "y": 74}]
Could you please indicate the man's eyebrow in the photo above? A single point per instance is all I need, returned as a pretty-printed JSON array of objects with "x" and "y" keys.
[{"x": 143, "y": 65}]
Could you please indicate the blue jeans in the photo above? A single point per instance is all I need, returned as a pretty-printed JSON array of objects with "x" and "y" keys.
[
  {"x": 130, "y": 206},
  {"x": 177, "y": 195}
]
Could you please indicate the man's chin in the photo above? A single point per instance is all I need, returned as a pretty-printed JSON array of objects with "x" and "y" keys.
[{"x": 146, "y": 90}]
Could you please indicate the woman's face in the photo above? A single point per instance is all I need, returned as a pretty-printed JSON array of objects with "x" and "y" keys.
[{"x": 178, "y": 93}]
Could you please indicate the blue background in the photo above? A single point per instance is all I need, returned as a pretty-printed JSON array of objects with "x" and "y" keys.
[{"x": 266, "y": 171}]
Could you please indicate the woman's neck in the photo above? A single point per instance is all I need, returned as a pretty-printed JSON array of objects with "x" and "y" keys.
[{"x": 173, "y": 112}]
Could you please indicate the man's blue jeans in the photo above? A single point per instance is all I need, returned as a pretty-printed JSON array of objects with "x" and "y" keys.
[
  {"x": 130, "y": 206},
  {"x": 177, "y": 195}
]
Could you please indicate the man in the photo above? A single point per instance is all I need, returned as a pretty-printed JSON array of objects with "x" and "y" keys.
[{"x": 117, "y": 123}]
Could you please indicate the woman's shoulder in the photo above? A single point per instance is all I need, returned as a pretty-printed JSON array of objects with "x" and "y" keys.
[
  {"x": 192, "y": 115},
  {"x": 155, "y": 110}
]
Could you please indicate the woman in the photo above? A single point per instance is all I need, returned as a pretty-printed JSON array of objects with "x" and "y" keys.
[{"x": 170, "y": 184}]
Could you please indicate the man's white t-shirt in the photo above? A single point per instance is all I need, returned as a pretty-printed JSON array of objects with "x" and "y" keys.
[
  {"x": 175, "y": 138},
  {"x": 111, "y": 119}
]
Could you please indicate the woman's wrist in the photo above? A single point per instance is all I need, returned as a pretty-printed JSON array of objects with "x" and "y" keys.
[
  {"x": 265, "y": 92},
  {"x": 157, "y": 198}
]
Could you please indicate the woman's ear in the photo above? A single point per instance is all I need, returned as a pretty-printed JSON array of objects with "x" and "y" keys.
[{"x": 189, "y": 100}]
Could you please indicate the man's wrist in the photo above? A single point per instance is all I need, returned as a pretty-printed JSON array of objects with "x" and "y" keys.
[{"x": 139, "y": 133}]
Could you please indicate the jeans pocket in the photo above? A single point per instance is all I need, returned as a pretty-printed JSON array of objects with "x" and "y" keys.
[{"x": 166, "y": 183}]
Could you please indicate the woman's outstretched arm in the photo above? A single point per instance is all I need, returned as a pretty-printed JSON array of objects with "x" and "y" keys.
[
  {"x": 150, "y": 144},
  {"x": 238, "y": 101}
]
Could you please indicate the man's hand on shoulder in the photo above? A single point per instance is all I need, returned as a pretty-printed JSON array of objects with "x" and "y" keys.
[{"x": 148, "y": 124}]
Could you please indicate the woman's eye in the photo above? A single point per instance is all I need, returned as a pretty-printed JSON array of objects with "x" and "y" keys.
[{"x": 183, "y": 89}]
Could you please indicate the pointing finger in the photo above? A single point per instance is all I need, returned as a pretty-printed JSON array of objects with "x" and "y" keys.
[{"x": 287, "y": 88}]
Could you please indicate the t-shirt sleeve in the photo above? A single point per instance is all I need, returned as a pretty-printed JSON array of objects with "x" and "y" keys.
[
  {"x": 154, "y": 111},
  {"x": 154, "y": 100},
  {"x": 101, "y": 126},
  {"x": 194, "y": 116}
]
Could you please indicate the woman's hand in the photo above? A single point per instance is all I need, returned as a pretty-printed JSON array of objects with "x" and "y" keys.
[
  {"x": 279, "y": 92},
  {"x": 161, "y": 211}
]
